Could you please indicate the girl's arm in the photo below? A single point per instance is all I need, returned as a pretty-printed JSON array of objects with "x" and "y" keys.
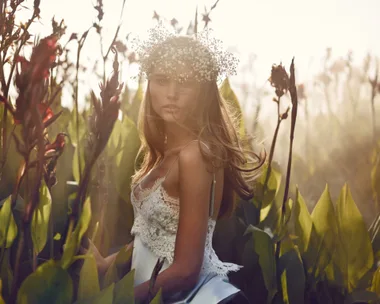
[
  {"x": 194, "y": 181},
  {"x": 102, "y": 263}
]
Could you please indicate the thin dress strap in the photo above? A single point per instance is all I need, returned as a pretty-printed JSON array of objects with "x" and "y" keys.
[
  {"x": 213, "y": 182},
  {"x": 174, "y": 161}
]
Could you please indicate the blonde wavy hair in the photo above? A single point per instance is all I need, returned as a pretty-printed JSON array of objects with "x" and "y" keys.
[{"x": 218, "y": 129}]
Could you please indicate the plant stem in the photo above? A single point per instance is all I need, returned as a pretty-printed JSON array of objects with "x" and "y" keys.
[
  {"x": 23, "y": 41},
  {"x": 373, "y": 95},
  {"x": 271, "y": 153},
  {"x": 273, "y": 145},
  {"x": 7, "y": 86},
  {"x": 20, "y": 247},
  {"x": 76, "y": 90},
  {"x": 294, "y": 98}
]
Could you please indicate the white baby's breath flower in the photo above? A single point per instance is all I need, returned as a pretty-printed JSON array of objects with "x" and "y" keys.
[{"x": 204, "y": 55}]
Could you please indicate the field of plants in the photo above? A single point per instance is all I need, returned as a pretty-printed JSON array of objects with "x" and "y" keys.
[{"x": 310, "y": 234}]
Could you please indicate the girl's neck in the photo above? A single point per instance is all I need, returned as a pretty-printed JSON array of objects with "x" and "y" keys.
[{"x": 177, "y": 136}]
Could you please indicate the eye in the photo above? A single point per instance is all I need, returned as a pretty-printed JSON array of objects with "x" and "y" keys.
[
  {"x": 161, "y": 80},
  {"x": 186, "y": 84}
]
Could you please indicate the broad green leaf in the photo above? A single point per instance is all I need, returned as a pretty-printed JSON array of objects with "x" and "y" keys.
[
  {"x": 1, "y": 298},
  {"x": 105, "y": 296},
  {"x": 287, "y": 244},
  {"x": 115, "y": 136},
  {"x": 354, "y": 254},
  {"x": 11, "y": 167},
  {"x": 229, "y": 95},
  {"x": 112, "y": 275},
  {"x": 334, "y": 274},
  {"x": 8, "y": 226},
  {"x": 375, "y": 285},
  {"x": 158, "y": 298},
  {"x": 308, "y": 241},
  {"x": 129, "y": 141},
  {"x": 264, "y": 248},
  {"x": 6, "y": 274},
  {"x": 73, "y": 243},
  {"x": 89, "y": 279},
  {"x": 361, "y": 296},
  {"x": 267, "y": 199},
  {"x": 48, "y": 284},
  {"x": 250, "y": 213},
  {"x": 293, "y": 279},
  {"x": 123, "y": 257},
  {"x": 284, "y": 287},
  {"x": 124, "y": 100},
  {"x": 281, "y": 222},
  {"x": 325, "y": 224},
  {"x": 40, "y": 219},
  {"x": 303, "y": 223},
  {"x": 125, "y": 160},
  {"x": 124, "y": 289},
  {"x": 18, "y": 206}
]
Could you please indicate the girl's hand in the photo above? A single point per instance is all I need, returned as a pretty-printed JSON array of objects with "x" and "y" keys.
[
  {"x": 129, "y": 246},
  {"x": 101, "y": 262}
]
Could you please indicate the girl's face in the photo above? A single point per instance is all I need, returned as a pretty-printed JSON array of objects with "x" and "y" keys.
[{"x": 174, "y": 100}]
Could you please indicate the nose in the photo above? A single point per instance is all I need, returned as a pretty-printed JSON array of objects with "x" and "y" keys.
[{"x": 172, "y": 91}]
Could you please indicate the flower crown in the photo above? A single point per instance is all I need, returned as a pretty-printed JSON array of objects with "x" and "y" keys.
[{"x": 166, "y": 51}]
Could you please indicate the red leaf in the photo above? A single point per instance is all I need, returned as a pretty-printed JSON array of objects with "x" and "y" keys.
[
  {"x": 58, "y": 144},
  {"x": 45, "y": 112}
]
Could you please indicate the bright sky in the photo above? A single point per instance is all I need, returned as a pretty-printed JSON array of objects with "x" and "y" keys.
[{"x": 273, "y": 30}]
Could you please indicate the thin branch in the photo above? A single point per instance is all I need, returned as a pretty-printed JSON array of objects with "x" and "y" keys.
[{"x": 17, "y": 53}]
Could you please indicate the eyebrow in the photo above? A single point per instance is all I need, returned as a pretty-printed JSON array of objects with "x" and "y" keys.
[
  {"x": 159, "y": 75},
  {"x": 189, "y": 79}
]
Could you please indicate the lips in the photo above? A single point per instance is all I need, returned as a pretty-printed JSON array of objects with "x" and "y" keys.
[{"x": 171, "y": 108}]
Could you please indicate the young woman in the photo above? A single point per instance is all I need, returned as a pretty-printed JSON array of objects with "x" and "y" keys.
[{"x": 193, "y": 162}]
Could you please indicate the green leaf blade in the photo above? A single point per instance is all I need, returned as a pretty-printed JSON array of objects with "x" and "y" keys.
[
  {"x": 48, "y": 284},
  {"x": 354, "y": 255},
  {"x": 73, "y": 243},
  {"x": 40, "y": 219},
  {"x": 264, "y": 248},
  {"x": 8, "y": 226},
  {"x": 89, "y": 279}
]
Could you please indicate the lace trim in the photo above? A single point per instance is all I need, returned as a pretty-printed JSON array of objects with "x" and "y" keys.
[
  {"x": 144, "y": 192},
  {"x": 163, "y": 246},
  {"x": 156, "y": 222}
]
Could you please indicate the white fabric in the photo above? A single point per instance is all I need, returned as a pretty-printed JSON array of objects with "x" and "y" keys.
[
  {"x": 155, "y": 228},
  {"x": 210, "y": 289}
]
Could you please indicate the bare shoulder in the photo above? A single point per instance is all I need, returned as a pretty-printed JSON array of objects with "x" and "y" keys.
[
  {"x": 195, "y": 178},
  {"x": 191, "y": 156}
]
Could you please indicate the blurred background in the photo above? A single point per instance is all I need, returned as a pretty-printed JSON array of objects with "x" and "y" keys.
[{"x": 336, "y": 47}]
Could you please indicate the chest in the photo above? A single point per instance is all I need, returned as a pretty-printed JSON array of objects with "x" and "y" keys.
[
  {"x": 164, "y": 175},
  {"x": 156, "y": 205}
]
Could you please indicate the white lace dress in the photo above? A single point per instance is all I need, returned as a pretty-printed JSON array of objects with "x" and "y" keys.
[{"x": 155, "y": 228}]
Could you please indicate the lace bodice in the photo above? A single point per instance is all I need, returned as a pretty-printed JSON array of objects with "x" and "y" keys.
[{"x": 156, "y": 223}]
